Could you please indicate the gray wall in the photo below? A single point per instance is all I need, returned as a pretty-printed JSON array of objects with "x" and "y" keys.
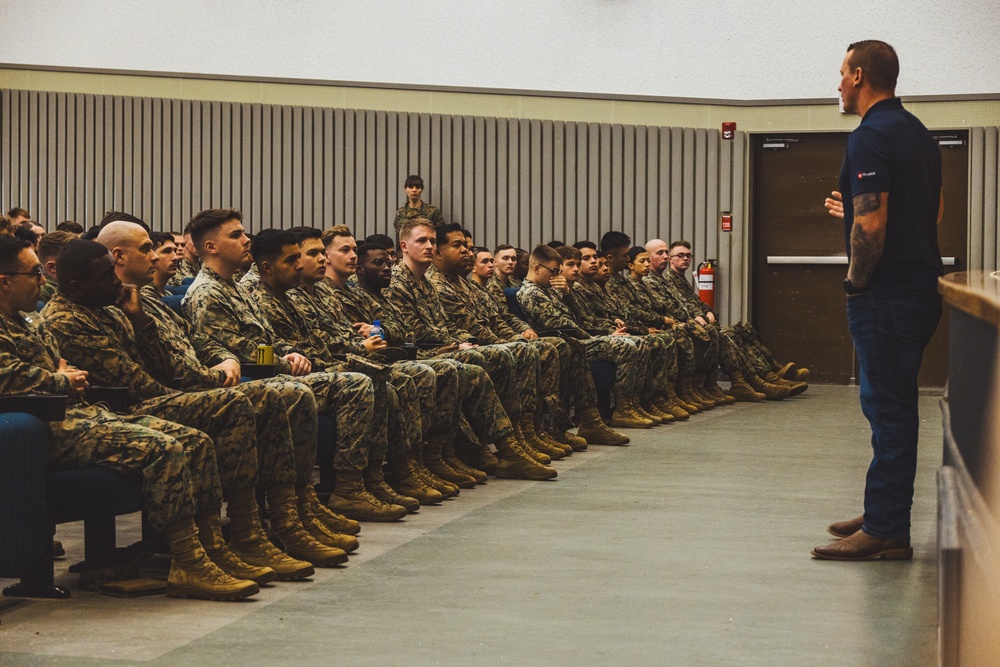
[
  {"x": 75, "y": 156},
  {"x": 984, "y": 195}
]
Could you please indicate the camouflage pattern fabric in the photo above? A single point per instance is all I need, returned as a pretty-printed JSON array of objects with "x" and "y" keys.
[
  {"x": 229, "y": 315},
  {"x": 427, "y": 211},
  {"x": 91, "y": 435},
  {"x": 185, "y": 269}
]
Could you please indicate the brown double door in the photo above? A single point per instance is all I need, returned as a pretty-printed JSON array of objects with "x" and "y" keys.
[{"x": 799, "y": 258}]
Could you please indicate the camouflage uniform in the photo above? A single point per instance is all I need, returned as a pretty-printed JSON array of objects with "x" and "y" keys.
[
  {"x": 427, "y": 211},
  {"x": 294, "y": 326},
  {"x": 285, "y": 409},
  {"x": 90, "y": 435},
  {"x": 185, "y": 269},
  {"x": 592, "y": 302},
  {"x": 475, "y": 394},
  {"x": 48, "y": 290},
  {"x": 546, "y": 309},
  {"x": 705, "y": 339},
  {"x": 424, "y": 316},
  {"x": 102, "y": 342},
  {"x": 416, "y": 383},
  {"x": 226, "y": 313}
]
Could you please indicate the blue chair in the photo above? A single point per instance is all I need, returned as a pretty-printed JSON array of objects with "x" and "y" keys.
[
  {"x": 174, "y": 301},
  {"x": 177, "y": 289},
  {"x": 187, "y": 281}
]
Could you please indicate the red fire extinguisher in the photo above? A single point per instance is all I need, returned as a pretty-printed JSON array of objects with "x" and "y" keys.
[{"x": 704, "y": 277}]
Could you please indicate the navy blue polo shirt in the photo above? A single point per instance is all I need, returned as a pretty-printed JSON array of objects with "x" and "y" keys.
[{"x": 891, "y": 151}]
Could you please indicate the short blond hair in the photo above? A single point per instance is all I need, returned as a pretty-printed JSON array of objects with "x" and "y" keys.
[
  {"x": 412, "y": 223},
  {"x": 333, "y": 232}
]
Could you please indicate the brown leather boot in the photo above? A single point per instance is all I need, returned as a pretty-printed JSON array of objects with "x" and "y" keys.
[
  {"x": 341, "y": 525},
  {"x": 795, "y": 387},
  {"x": 742, "y": 391},
  {"x": 446, "y": 489},
  {"x": 538, "y": 443},
  {"x": 193, "y": 574},
  {"x": 352, "y": 499},
  {"x": 624, "y": 415},
  {"x": 640, "y": 409},
  {"x": 693, "y": 392},
  {"x": 407, "y": 482},
  {"x": 514, "y": 463},
  {"x": 862, "y": 546},
  {"x": 210, "y": 535},
  {"x": 596, "y": 432},
  {"x": 773, "y": 392},
  {"x": 433, "y": 452},
  {"x": 286, "y": 523},
  {"x": 374, "y": 478},
  {"x": 675, "y": 406},
  {"x": 713, "y": 390},
  {"x": 652, "y": 406},
  {"x": 249, "y": 540},
  {"x": 842, "y": 529}
]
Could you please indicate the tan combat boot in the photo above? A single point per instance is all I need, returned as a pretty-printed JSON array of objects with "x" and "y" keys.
[
  {"x": 374, "y": 478},
  {"x": 713, "y": 390},
  {"x": 351, "y": 499},
  {"x": 527, "y": 427},
  {"x": 330, "y": 519},
  {"x": 193, "y": 574},
  {"x": 449, "y": 456},
  {"x": 692, "y": 391},
  {"x": 321, "y": 533},
  {"x": 433, "y": 459},
  {"x": 673, "y": 404},
  {"x": 650, "y": 406},
  {"x": 446, "y": 489},
  {"x": 684, "y": 398},
  {"x": 596, "y": 432},
  {"x": 527, "y": 447},
  {"x": 624, "y": 415},
  {"x": 773, "y": 392},
  {"x": 639, "y": 409},
  {"x": 742, "y": 391},
  {"x": 548, "y": 438},
  {"x": 299, "y": 543},
  {"x": 249, "y": 541},
  {"x": 514, "y": 463},
  {"x": 407, "y": 482},
  {"x": 796, "y": 387},
  {"x": 210, "y": 535}
]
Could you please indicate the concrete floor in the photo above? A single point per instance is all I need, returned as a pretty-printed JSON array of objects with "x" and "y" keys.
[{"x": 690, "y": 547}]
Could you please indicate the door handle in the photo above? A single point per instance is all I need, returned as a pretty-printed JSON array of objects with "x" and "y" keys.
[{"x": 829, "y": 259}]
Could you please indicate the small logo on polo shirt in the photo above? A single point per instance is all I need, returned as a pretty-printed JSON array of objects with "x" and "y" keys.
[{"x": 862, "y": 174}]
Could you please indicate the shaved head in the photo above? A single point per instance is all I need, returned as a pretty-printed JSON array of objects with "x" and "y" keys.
[
  {"x": 658, "y": 252},
  {"x": 121, "y": 234}
]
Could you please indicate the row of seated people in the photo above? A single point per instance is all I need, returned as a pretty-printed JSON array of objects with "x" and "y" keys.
[{"x": 200, "y": 437}]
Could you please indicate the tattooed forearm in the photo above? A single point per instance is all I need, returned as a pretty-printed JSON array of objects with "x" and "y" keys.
[
  {"x": 866, "y": 203},
  {"x": 866, "y": 250}
]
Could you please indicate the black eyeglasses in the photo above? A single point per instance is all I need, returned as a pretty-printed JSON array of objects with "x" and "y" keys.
[
  {"x": 683, "y": 255},
  {"x": 36, "y": 272},
  {"x": 554, "y": 272}
]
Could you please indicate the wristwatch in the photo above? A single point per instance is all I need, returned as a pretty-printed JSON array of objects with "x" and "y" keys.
[{"x": 851, "y": 290}]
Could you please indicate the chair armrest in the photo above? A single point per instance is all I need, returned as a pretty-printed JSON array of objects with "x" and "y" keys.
[
  {"x": 45, "y": 407},
  {"x": 116, "y": 398},
  {"x": 258, "y": 371}
]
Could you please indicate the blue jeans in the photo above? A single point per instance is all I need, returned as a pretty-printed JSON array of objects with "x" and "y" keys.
[{"x": 890, "y": 334}]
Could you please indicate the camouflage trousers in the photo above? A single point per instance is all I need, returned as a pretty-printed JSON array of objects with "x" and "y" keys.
[
  {"x": 630, "y": 363},
  {"x": 661, "y": 350},
  {"x": 527, "y": 372},
  {"x": 163, "y": 453},
  {"x": 687, "y": 361},
  {"x": 286, "y": 430},
  {"x": 479, "y": 405},
  {"x": 554, "y": 355},
  {"x": 731, "y": 360},
  {"x": 415, "y": 386},
  {"x": 706, "y": 346},
  {"x": 752, "y": 346},
  {"x": 575, "y": 375},
  {"x": 227, "y": 417},
  {"x": 499, "y": 363},
  {"x": 350, "y": 399}
]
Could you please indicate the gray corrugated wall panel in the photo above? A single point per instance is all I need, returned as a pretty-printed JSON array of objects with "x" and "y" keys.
[
  {"x": 990, "y": 208},
  {"x": 490, "y": 184},
  {"x": 741, "y": 256},
  {"x": 547, "y": 191}
]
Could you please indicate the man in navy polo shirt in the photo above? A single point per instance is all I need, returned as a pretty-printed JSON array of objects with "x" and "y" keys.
[{"x": 891, "y": 183}]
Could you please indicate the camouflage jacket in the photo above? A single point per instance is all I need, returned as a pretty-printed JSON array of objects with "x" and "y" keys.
[
  {"x": 225, "y": 312},
  {"x": 29, "y": 362},
  {"x": 184, "y": 270},
  {"x": 591, "y": 307},
  {"x": 102, "y": 342},
  {"x": 425, "y": 210},
  {"x": 676, "y": 306},
  {"x": 545, "y": 309},
  {"x": 250, "y": 278},
  {"x": 495, "y": 289},
  {"x": 48, "y": 290},
  {"x": 193, "y": 351},
  {"x": 421, "y": 308},
  {"x": 685, "y": 292},
  {"x": 469, "y": 309},
  {"x": 291, "y": 325},
  {"x": 323, "y": 312},
  {"x": 638, "y": 314}
]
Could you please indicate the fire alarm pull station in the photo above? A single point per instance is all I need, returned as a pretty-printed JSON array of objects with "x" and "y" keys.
[
  {"x": 727, "y": 222},
  {"x": 728, "y": 130}
]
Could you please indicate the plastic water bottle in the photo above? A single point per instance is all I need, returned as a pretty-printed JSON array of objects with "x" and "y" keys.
[{"x": 377, "y": 329}]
